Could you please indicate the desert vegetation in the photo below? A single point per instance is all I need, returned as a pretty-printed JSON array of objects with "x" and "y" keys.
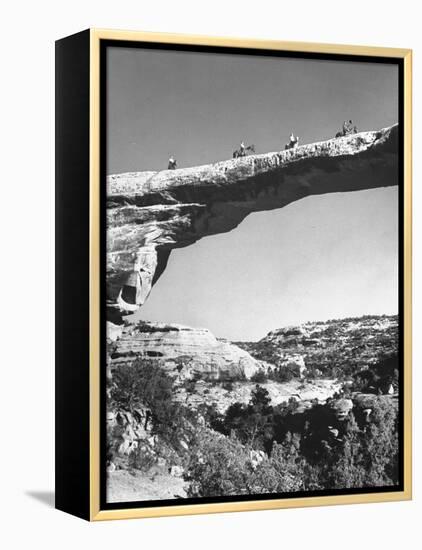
[
  {"x": 350, "y": 441},
  {"x": 333, "y": 349},
  {"x": 316, "y": 449}
]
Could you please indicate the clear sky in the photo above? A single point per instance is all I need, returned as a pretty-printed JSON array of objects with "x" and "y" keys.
[{"x": 321, "y": 257}]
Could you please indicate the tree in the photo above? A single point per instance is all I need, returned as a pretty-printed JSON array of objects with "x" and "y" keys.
[
  {"x": 259, "y": 376},
  {"x": 260, "y": 418},
  {"x": 346, "y": 467},
  {"x": 252, "y": 424},
  {"x": 284, "y": 472},
  {"x": 379, "y": 376},
  {"x": 218, "y": 466},
  {"x": 144, "y": 383},
  {"x": 367, "y": 457},
  {"x": 222, "y": 466},
  {"x": 381, "y": 445}
]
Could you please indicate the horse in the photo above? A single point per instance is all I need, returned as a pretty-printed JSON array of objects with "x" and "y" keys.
[
  {"x": 292, "y": 144},
  {"x": 249, "y": 150},
  {"x": 352, "y": 130}
]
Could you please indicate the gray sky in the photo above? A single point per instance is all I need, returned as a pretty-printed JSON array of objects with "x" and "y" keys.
[{"x": 318, "y": 258}]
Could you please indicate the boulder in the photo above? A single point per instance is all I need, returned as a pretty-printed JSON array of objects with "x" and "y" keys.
[
  {"x": 176, "y": 471},
  {"x": 342, "y": 407}
]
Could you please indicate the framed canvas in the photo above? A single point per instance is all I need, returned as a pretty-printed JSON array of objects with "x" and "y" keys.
[{"x": 233, "y": 277}]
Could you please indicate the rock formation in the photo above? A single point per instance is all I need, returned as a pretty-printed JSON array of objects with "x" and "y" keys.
[
  {"x": 187, "y": 352},
  {"x": 151, "y": 213},
  {"x": 326, "y": 345}
]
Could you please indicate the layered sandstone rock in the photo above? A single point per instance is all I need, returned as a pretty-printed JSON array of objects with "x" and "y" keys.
[
  {"x": 186, "y": 352},
  {"x": 150, "y": 213},
  {"x": 222, "y": 396},
  {"x": 357, "y": 341}
]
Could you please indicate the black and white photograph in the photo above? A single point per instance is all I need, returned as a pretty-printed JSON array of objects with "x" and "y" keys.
[
  {"x": 210, "y": 249},
  {"x": 253, "y": 275}
]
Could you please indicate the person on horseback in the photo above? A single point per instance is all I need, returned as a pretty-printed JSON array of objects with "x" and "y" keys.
[
  {"x": 293, "y": 142},
  {"x": 349, "y": 128},
  {"x": 172, "y": 165},
  {"x": 353, "y": 129},
  {"x": 243, "y": 150}
]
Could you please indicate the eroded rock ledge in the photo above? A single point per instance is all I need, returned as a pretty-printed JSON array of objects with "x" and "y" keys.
[
  {"x": 150, "y": 213},
  {"x": 184, "y": 351}
]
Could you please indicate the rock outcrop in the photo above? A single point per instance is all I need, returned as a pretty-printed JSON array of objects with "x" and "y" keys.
[
  {"x": 125, "y": 429},
  {"x": 151, "y": 213},
  {"x": 186, "y": 352},
  {"x": 354, "y": 343},
  {"x": 223, "y": 395}
]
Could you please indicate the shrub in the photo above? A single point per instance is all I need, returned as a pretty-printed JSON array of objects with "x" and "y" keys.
[
  {"x": 145, "y": 384},
  {"x": 284, "y": 472},
  {"x": 365, "y": 457},
  {"x": 218, "y": 466},
  {"x": 379, "y": 376},
  {"x": 252, "y": 423},
  {"x": 283, "y": 373},
  {"x": 141, "y": 382},
  {"x": 142, "y": 458},
  {"x": 259, "y": 376},
  {"x": 380, "y": 445},
  {"x": 221, "y": 466}
]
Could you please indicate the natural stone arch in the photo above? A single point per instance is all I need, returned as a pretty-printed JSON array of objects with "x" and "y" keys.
[{"x": 151, "y": 213}]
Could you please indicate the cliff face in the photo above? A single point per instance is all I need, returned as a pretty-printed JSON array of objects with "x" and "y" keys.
[
  {"x": 150, "y": 213},
  {"x": 186, "y": 352},
  {"x": 331, "y": 347},
  {"x": 326, "y": 349}
]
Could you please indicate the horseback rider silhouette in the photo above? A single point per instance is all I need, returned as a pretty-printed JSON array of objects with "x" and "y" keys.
[
  {"x": 293, "y": 142},
  {"x": 172, "y": 165}
]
